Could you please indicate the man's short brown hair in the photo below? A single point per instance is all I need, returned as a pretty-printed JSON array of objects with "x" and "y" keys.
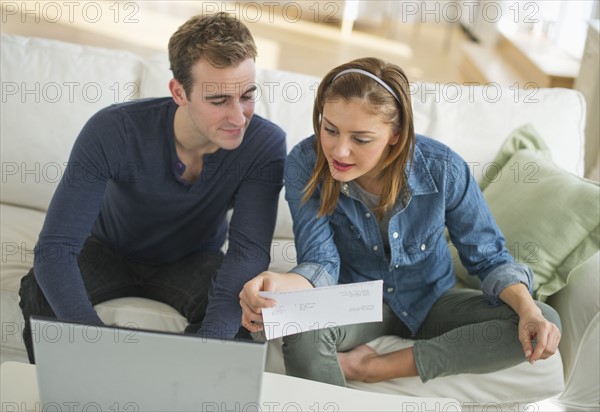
[{"x": 219, "y": 38}]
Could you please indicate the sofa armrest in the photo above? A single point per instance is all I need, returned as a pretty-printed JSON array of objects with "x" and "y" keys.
[{"x": 579, "y": 309}]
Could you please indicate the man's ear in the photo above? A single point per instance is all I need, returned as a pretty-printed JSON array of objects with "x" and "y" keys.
[{"x": 178, "y": 92}]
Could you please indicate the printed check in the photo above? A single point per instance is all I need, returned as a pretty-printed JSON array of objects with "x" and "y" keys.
[{"x": 324, "y": 307}]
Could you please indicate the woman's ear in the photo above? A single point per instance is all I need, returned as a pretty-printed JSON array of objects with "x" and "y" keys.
[
  {"x": 178, "y": 92},
  {"x": 394, "y": 139}
]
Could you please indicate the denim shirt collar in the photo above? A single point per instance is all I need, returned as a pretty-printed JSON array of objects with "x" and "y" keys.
[{"x": 420, "y": 182}]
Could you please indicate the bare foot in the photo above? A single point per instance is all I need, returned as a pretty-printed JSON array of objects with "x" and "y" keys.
[{"x": 354, "y": 362}]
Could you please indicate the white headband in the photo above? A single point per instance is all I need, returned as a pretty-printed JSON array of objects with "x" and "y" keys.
[{"x": 372, "y": 76}]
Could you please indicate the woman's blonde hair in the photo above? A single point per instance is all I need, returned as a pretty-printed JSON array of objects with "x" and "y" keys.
[
  {"x": 219, "y": 38},
  {"x": 379, "y": 101}
]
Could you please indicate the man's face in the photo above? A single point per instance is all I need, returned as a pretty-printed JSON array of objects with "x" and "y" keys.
[{"x": 220, "y": 104}]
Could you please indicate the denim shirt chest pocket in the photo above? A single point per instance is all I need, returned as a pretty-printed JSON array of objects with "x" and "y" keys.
[
  {"x": 346, "y": 234},
  {"x": 418, "y": 249}
]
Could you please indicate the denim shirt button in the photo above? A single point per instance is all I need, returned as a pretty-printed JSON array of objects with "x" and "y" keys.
[
  {"x": 395, "y": 235},
  {"x": 404, "y": 314},
  {"x": 375, "y": 248},
  {"x": 367, "y": 214},
  {"x": 423, "y": 247},
  {"x": 345, "y": 189},
  {"x": 397, "y": 266},
  {"x": 390, "y": 290}
]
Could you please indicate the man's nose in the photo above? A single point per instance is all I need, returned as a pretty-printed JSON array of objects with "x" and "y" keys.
[{"x": 236, "y": 114}]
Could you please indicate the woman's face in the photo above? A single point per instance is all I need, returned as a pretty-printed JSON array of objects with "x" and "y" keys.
[{"x": 354, "y": 142}]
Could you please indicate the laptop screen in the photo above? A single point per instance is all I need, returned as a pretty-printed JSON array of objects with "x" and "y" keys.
[{"x": 85, "y": 367}]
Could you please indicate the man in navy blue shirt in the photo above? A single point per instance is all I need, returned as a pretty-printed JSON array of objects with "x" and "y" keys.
[{"x": 142, "y": 207}]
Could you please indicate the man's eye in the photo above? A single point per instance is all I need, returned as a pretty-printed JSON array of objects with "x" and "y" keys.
[
  {"x": 218, "y": 102},
  {"x": 249, "y": 97}
]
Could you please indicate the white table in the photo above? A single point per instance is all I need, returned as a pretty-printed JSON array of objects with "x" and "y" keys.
[{"x": 19, "y": 392}]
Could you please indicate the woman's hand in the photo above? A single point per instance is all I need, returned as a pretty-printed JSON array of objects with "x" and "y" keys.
[
  {"x": 252, "y": 303},
  {"x": 532, "y": 324}
]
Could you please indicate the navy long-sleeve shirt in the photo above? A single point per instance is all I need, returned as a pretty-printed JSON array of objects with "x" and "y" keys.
[{"x": 123, "y": 185}]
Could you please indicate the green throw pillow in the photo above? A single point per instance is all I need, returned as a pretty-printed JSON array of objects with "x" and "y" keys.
[
  {"x": 550, "y": 217},
  {"x": 524, "y": 137}
]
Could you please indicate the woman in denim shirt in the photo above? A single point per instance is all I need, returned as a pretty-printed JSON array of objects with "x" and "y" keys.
[{"x": 370, "y": 200}]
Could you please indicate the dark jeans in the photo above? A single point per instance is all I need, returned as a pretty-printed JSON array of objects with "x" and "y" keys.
[{"x": 107, "y": 274}]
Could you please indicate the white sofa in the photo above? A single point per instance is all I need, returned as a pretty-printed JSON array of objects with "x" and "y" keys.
[{"x": 50, "y": 88}]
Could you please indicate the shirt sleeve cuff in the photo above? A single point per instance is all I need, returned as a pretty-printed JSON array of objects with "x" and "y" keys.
[
  {"x": 503, "y": 276},
  {"x": 315, "y": 274}
]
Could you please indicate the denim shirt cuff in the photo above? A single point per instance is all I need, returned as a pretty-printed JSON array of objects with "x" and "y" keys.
[
  {"x": 503, "y": 276},
  {"x": 315, "y": 274}
]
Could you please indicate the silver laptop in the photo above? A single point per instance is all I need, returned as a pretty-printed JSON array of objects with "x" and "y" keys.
[{"x": 83, "y": 367}]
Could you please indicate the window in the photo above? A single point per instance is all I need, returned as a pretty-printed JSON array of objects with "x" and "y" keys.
[{"x": 564, "y": 22}]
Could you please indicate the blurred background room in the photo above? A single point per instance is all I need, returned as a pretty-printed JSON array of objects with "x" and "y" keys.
[{"x": 517, "y": 44}]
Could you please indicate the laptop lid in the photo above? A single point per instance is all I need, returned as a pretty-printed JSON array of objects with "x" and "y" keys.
[{"x": 85, "y": 367}]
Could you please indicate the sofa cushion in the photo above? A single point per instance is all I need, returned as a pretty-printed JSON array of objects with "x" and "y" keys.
[
  {"x": 579, "y": 309},
  {"x": 18, "y": 233},
  {"x": 156, "y": 76},
  {"x": 524, "y": 137},
  {"x": 501, "y": 390},
  {"x": 550, "y": 217},
  {"x": 475, "y": 120},
  {"x": 520, "y": 384},
  {"x": 49, "y": 90},
  {"x": 294, "y": 94}
]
